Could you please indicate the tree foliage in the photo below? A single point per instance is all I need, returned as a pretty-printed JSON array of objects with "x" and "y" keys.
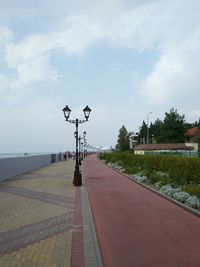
[
  {"x": 170, "y": 130},
  {"x": 155, "y": 130},
  {"x": 143, "y": 133},
  {"x": 123, "y": 140},
  {"x": 173, "y": 128}
]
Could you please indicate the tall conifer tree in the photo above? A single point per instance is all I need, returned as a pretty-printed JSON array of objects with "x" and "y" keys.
[{"x": 123, "y": 140}]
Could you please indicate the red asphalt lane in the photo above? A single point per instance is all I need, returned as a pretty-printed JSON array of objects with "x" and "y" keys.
[{"x": 135, "y": 227}]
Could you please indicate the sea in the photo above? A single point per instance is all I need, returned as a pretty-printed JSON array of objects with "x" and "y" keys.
[{"x": 15, "y": 155}]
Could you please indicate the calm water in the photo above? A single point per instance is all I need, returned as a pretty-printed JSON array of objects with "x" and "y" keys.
[{"x": 14, "y": 155}]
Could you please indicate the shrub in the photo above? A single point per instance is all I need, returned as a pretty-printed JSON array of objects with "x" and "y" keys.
[
  {"x": 192, "y": 189},
  {"x": 193, "y": 202},
  {"x": 181, "y": 196},
  {"x": 181, "y": 170},
  {"x": 140, "y": 178},
  {"x": 168, "y": 190}
]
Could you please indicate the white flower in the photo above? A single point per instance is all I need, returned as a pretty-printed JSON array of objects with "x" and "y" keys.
[
  {"x": 181, "y": 196},
  {"x": 168, "y": 190},
  {"x": 193, "y": 202},
  {"x": 139, "y": 178}
]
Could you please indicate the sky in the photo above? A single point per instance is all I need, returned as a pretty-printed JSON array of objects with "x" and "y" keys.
[{"x": 122, "y": 58}]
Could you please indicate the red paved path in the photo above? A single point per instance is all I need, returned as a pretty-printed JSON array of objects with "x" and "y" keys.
[{"x": 137, "y": 228}]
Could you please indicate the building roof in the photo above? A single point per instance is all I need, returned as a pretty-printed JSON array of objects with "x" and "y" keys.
[
  {"x": 191, "y": 132},
  {"x": 175, "y": 146}
]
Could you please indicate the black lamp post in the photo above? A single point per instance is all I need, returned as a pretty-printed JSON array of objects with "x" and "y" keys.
[
  {"x": 81, "y": 150},
  {"x": 81, "y": 147},
  {"x": 66, "y": 110},
  {"x": 84, "y": 143},
  {"x": 85, "y": 149},
  {"x": 79, "y": 153}
]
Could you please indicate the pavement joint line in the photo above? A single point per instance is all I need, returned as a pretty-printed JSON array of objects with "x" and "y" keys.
[
  {"x": 172, "y": 200},
  {"x": 92, "y": 252},
  {"x": 16, "y": 239},
  {"x": 40, "y": 196},
  {"x": 48, "y": 241},
  {"x": 47, "y": 244}
]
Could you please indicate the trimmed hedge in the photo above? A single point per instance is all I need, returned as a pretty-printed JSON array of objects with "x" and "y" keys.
[{"x": 182, "y": 170}]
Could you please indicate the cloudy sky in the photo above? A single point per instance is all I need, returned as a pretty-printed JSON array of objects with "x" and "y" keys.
[{"x": 123, "y": 58}]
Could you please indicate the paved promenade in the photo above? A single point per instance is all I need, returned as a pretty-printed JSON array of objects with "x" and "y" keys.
[
  {"x": 136, "y": 227},
  {"x": 46, "y": 221}
]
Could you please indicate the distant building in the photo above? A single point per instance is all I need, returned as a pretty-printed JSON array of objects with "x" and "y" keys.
[
  {"x": 190, "y": 134},
  {"x": 133, "y": 140},
  {"x": 189, "y": 138}
]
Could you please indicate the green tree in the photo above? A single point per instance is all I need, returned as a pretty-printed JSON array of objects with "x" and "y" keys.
[
  {"x": 123, "y": 140},
  {"x": 173, "y": 128},
  {"x": 196, "y": 123},
  {"x": 156, "y": 129},
  {"x": 143, "y": 133}
]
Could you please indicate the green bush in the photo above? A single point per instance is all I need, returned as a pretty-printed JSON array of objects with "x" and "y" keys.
[
  {"x": 192, "y": 189},
  {"x": 181, "y": 170}
]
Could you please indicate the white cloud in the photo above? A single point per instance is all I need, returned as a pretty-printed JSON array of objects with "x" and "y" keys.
[
  {"x": 137, "y": 26},
  {"x": 11, "y": 90},
  {"x": 35, "y": 70},
  {"x": 5, "y": 36},
  {"x": 106, "y": 21},
  {"x": 169, "y": 28},
  {"x": 30, "y": 59},
  {"x": 176, "y": 74}
]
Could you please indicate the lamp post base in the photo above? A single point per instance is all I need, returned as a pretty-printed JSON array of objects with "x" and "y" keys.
[{"x": 77, "y": 178}]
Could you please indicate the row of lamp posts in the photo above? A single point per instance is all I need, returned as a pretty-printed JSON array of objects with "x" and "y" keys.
[
  {"x": 82, "y": 145},
  {"x": 66, "y": 110}
]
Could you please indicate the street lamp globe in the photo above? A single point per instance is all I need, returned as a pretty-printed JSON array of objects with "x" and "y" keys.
[
  {"x": 87, "y": 111},
  {"x": 66, "y": 111}
]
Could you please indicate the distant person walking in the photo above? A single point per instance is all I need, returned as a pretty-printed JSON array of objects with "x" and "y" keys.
[{"x": 65, "y": 156}]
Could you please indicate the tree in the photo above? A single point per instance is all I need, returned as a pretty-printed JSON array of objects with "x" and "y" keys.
[
  {"x": 196, "y": 123},
  {"x": 143, "y": 133},
  {"x": 173, "y": 128},
  {"x": 123, "y": 140},
  {"x": 156, "y": 130}
]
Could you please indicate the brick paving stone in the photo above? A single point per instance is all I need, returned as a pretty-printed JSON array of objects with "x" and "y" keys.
[
  {"x": 41, "y": 196},
  {"x": 37, "y": 210},
  {"x": 21, "y": 237},
  {"x": 40, "y": 221}
]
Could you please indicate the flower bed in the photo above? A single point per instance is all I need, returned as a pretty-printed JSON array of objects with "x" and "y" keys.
[{"x": 158, "y": 176}]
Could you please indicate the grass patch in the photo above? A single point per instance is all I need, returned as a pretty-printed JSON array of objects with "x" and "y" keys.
[{"x": 192, "y": 189}]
